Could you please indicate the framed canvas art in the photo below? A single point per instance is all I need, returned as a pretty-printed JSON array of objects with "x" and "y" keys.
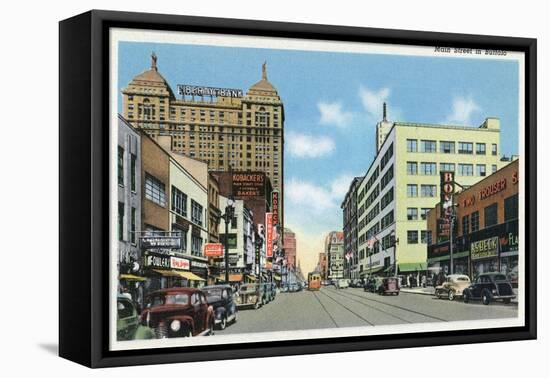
[{"x": 234, "y": 188}]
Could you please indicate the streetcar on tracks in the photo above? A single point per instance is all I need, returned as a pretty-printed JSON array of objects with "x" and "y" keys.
[{"x": 314, "y": 281}]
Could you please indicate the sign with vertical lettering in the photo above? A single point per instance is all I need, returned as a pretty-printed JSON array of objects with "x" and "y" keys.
[
  {"x": 275, "y": 206},
  {"x": 269, "y": 235}
]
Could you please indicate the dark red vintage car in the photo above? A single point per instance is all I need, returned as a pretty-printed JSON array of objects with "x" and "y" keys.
[{"x": 178, "y": 312}]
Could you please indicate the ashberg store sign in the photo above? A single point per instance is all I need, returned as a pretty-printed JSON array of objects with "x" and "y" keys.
[{"x": 194, "y": 90}]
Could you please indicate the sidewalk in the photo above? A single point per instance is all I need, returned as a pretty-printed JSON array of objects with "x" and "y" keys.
[
  {"x": 419, "y": 290},
  {"x": 431, "y": 291}
]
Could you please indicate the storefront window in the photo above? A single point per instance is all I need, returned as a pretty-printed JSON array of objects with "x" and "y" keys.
[
  {"x": 484, "y": 266},
  {"x": 509, "y": 267}
]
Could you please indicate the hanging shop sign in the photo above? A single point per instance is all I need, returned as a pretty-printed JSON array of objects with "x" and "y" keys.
[
  {"x": 275, "y": 206},
  {"x": 269, "y": 234},
  {"x": 447, "y": 188},
  {"x": 213, "y": 249},
  {"x": 157, "y": 242}
]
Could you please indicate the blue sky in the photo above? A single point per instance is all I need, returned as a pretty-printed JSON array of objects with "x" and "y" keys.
[{"x": 332, "y": 103}]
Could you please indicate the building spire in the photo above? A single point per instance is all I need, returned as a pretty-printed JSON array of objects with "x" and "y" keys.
[
  {"x": 154, "y": 61},
  {"x": 385, "y": 113},
  {"x": 264, "y": 71}
]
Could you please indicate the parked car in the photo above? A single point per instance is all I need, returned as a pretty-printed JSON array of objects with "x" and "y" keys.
[
  {"x": 342, "y": 284},
  {"x": 293, "y": 287},
  {"x": 128, "y": 325},
  {"x": 251, "y": 295},
  {"x": 178, "y": 312},
  {"x": 489, "y": 287},
  {"x": 389, "y": 285},
  {"x": 284, "y": 288},
  {"x": 453, "y": 286},
  {"x": 372, "y": 284},
  {"x": 220, "y": 297}
]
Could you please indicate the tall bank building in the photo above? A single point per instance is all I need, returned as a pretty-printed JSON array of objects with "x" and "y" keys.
[
  {"x": 226, "y": 128},
  {"x": 402, "y": 185}
]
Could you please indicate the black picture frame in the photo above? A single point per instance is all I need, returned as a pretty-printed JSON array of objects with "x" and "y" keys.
[{"x": 84, "y": 193}]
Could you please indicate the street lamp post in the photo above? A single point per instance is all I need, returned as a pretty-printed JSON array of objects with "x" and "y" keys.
[
  {"x": 394, "y": 241},
  {"x": 227, "y": 217}
]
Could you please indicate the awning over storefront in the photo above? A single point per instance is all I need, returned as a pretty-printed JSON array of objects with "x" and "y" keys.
[
  {"x": 447, "y": 257},
  {"x": 131, "y": 277},
  {"x": 251, "y": 278},
  {"x": 277, "y": 278},
  {"x": 190, "y": 276},
  {"x": 232, "y": 277},
  {"x": 179, "y": 274},
  {"x": 371, "y": 271},
  {"x": 412, "y": 267},
  {"x": 167, "y": 273}
]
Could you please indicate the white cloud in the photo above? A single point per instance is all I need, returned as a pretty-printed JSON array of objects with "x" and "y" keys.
[
  {"x": 373, "y": 100},
  {"x": 315, "y": 197},
  {"x": 309, "y": 146},
  {"x": 333, "y": 114},
  {"x": 463, "y": 109}
]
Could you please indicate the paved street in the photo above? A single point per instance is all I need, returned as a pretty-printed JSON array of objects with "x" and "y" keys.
[{"x": 353, "y": 307}]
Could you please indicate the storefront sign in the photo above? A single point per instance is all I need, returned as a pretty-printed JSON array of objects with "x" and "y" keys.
[
  {"x": 248, "y": 184},
  {"x": 179, "y": 263},
  {"x": 194, "y": 90},
  {"x": 198, "y": 264},
  {"x": 492, "y": 189},
  {"x": 157, "y": 242},
  {"x": 157, "y": 261},
  {"x": 269, "y": 234},
  {"x": 484, "y": 248},
  {"x": 213, "y": 250},
  {"x": 275, "y": 206}
]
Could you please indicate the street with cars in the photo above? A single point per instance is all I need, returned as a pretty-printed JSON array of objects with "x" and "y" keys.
[{"x": 223, "y": 309}]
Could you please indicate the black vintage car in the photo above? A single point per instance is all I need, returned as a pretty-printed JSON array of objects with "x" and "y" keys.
[
  {"x": 489, "y": 287},
  {"x": 220, "y": 297}
]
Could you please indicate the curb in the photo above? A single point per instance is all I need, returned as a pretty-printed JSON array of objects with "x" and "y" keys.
[{"x": 416, "y": 292}]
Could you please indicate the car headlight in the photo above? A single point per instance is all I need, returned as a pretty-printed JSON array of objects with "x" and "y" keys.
[
  {"x": 494, "y": 291},
  {"x": 175, "y": 325}
]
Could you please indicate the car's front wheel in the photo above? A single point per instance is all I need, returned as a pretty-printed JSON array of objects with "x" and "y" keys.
[
  {"x": 451, "y": 295},
  {"x": 223, "y": 323},
  {"x": 485, "y": 297},
  {"x": 466, "y": 297},
  {"x": 507, "y": 300}
]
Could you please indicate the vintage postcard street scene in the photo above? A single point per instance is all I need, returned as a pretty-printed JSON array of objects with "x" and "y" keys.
[{"x": 276, "y": 190}]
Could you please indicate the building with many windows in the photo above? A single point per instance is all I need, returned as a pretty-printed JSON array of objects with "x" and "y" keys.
[
  {"x": 222, "y": 127},
  {"x": 349, "y": 209},
  {"x": 174, "y": 205},
  {"x": 402, "y": 185},
  {"x": 240, "y": 240},
  {"x": 334, "y": 250},
  {"x": 129, "y": 205},
  {"x": 486, "y": 232},
  {"x": 289, "y": 244}
]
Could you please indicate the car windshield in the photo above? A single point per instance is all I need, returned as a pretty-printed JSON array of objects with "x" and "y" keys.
[
  {"x": 169, "y": 299},
  {"x": 125, "y": 309},
  {"x": 213, "y": 294},
  {"x": 500, "y": 277},
  {"x": 463, "y": 279}
]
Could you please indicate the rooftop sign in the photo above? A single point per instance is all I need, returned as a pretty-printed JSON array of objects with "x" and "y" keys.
[{"x": 194, "y": 90}]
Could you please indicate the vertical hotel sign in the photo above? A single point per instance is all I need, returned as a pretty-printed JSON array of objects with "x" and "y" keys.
[
  {"x": 268, "y": 235},
  {"x": 446, "y": 190}
]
